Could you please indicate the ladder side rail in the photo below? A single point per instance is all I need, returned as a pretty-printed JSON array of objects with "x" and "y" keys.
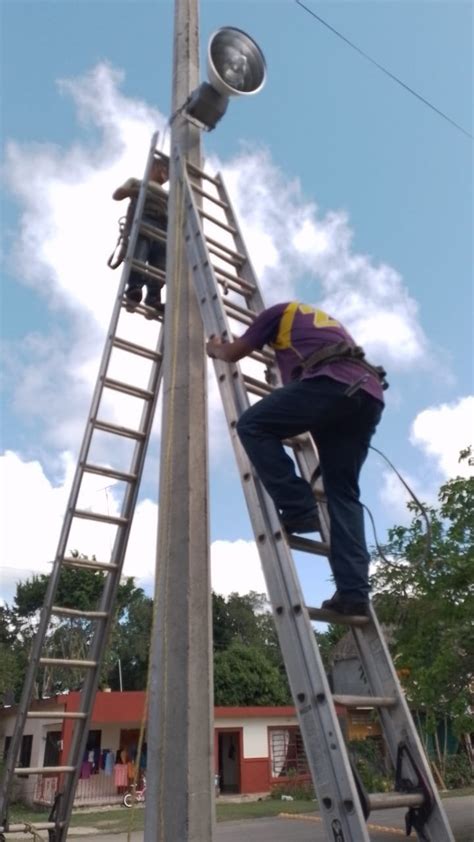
[
  {"x": 137, "y": 218},
  {"x": 25, "y": 699},
  {"x": 310, "y": 688},
  {"x": 207, "y": 289},
  {"x": 100, "y": 638},
  {"x": 307, "y": 459},
  {"x": 330, "y": 767},
  {"x": 255, "y": 300},
  {"x": 306, "y": 456},
  {"x": 99, "y": 642},
  {"x": 28, "y": 686},
  {"x": 397, "y": 723}
]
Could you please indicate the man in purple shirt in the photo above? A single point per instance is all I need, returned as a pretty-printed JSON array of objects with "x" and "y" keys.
[{"x": 330, "y": 391}]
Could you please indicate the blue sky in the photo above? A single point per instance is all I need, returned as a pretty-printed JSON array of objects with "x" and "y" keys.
[{"x": 351, "y": 192}]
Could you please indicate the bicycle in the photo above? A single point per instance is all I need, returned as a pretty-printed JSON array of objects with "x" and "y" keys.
[{"x": 135, "y": 795}]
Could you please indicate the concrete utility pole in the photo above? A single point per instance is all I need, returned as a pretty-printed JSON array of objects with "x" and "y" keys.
[{"x": 180, "y": 796}]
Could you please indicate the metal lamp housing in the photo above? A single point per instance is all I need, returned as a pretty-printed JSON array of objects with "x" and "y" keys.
[
  {"x": 235, "y": 67},
  {"x": 235, "y": 63}
]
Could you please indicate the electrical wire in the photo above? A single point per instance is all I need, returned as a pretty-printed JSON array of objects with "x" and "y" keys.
[
  {"x": 412, "y": 494},
  {"x": 384, "y": 69}
]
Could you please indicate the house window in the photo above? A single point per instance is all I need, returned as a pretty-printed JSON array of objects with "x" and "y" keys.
[
  {"x": 24, "y": 758},
  {"x": 287, "y": 755}
]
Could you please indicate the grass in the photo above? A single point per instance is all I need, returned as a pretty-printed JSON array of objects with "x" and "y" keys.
[{"x": 121, "y": 820}]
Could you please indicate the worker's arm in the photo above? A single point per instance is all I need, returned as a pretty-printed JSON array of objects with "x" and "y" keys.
[
  {"x": 126, "y": 190},
  {"x": 229, "y": 352}
]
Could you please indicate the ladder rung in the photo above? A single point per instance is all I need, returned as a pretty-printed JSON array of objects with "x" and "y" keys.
[
  {"x": 150, "y": 313},
  {"x": 227, "y": 249},
  {"x": 229, "y": 228},
  {"x": 108, "y": 472},
  {"x": 257, "y": 387},
  {"x": 228, "y": 276},
  {"x": 389, "y": 800},
  {"x": 230, "y": 283},
  {"x": 127, "y": 389},
  {"x": 306, "y": 545},
  {"x": 68, "y": 662},
  {"x": 228, "y": 259},
  {"x": 89, "y": 563},
  {"x": 108, "y": 427},
  {"x": 194, "y": 170},
  {"x": 153, "y": 231},
  {"x": 240, "y": 314},
  {"x": 25, "y": 828},
  {"x": 148, "y": 271},
  {"x": 261, "y": 356},
  {"x": 206, "y": 195},
  {"x": 85, "y": 515},
  {"x": 365, "y": 701},
  {"x": 55, "y": 714},
  {"x": 76, "y": 612},
  {"x": 324, "y": 616},
  {"x": 43, "y": 770},
  {"x": 133, "y": 348}
]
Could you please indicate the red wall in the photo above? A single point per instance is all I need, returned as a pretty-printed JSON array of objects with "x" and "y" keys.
[{"x": 255, "y": 774}]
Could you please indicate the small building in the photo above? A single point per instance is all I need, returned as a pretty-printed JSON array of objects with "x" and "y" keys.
[{"x": 255, "y": 748}]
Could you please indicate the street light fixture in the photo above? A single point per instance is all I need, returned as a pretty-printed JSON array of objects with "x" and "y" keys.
[{"x": 235, "y": 67}]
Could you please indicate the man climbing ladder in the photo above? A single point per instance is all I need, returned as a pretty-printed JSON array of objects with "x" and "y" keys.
[{"x": 330, "y": 391}]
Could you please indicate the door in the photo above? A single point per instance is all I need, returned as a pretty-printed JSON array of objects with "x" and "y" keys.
[{"x": 229, "y": 747}]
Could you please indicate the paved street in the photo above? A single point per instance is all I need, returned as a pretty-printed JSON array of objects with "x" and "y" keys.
[{"x": 385, "y": 825}]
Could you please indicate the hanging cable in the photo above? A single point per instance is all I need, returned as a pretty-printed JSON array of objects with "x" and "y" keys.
[
  {"x": 419, "y": 504},
  {"x": 384, "y": 69}
]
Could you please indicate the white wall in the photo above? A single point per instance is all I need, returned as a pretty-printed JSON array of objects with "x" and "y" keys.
[{"x": 255, "y": 735}]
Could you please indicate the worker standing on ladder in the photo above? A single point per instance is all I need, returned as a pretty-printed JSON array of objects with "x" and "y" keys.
[
  {"x": 331, "y": 391},
  {"x": 147, "y": 250}
]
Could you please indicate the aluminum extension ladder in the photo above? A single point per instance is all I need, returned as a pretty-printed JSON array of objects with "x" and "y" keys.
[
  {"x": 227, "y": 289},
  {"x": 129, "y": 474}
]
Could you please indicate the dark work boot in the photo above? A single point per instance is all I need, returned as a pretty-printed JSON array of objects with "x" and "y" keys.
[
  {"x": 307, "y": 522},
  {"x": 133, "y": 296},
  {"x": 153, "y": 300},
  {"x": 341, "y": 605}
]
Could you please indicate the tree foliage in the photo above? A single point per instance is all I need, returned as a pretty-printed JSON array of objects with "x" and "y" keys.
[
  {"x": 424, "y": 590},
  {"x": 248, "y": 668},
  {"x": 70, "y": 637},
  {"x": 245, "y": 641}
]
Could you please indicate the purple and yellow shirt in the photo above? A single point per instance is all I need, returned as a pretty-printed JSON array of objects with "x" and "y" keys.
[{"x": 295, "y": 331}]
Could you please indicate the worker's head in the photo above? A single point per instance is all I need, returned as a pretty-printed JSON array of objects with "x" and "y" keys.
[{"x": 160, "y": 170}]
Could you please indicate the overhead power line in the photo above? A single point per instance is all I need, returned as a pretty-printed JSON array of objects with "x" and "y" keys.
[{"x": 383, "y": 69}]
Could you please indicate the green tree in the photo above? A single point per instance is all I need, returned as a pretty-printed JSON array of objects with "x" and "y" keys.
[
  {"x": 245, "y": 640},
  {"x": 244, "y": 675},
  {"x": 424, "y": 590},
  {"x": 10, "y": 661},
  {"x": 129, "y": 646},
  {"x": 70, "y": 637}
]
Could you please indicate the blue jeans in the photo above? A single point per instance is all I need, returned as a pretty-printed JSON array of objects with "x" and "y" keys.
[{"x": 342, "y": 428}]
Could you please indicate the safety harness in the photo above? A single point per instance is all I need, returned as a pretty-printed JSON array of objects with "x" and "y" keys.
[
  {"x": 125, "y": 225},
  {"x": 336, "y": 352}
]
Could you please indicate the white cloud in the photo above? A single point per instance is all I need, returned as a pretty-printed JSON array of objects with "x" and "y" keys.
[
  {"x": 395, "y": 496},
  {"x": 292, "y": 246},
  {"x": 442, "y": 431},
  {"x": 236, "y": 568},
  {"x": 68, "y": 228},
  {"x": 33, "y": 509}
]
